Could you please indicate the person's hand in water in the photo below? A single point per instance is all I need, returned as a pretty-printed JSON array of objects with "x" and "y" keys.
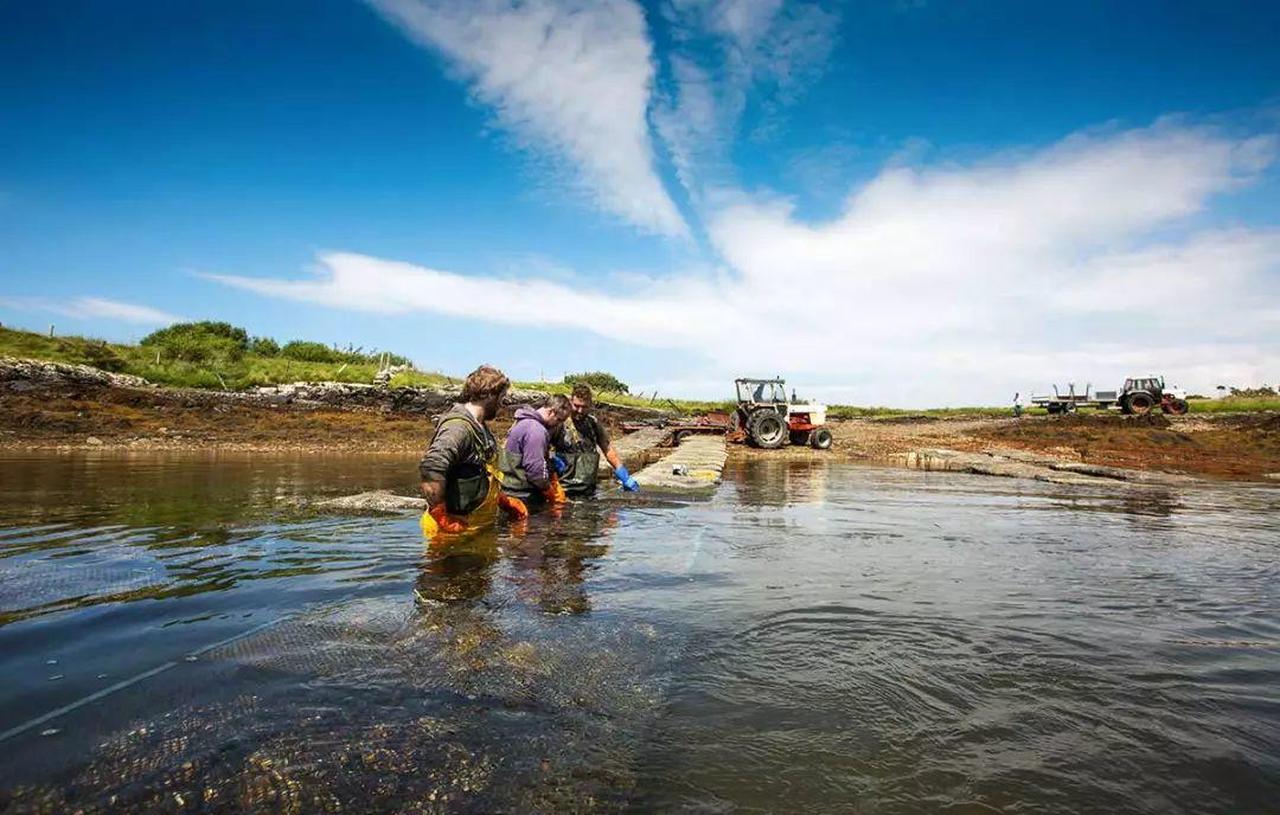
[
  {"x": 628, "y": 482},
  {"x": 513, "y": 506},
  {"x": 554, "y": 493},
  {"x": 438, "y": 520}
]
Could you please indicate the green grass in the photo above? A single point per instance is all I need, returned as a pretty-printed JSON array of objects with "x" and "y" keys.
[{"x": 1236, "y": 404}]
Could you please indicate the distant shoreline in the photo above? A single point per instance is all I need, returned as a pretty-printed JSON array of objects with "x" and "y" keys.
[{"x": 57, "y": 407}]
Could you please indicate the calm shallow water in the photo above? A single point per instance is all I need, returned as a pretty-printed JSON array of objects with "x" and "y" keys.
[{"x": 814, "y": 638}]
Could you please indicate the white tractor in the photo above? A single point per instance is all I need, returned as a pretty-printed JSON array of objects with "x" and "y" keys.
[{"x": 766, "y": 418}]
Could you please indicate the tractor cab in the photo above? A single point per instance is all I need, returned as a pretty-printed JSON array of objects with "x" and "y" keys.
[
  {"x": 761, "y": 392},
  {"x": 1153, "y": 385}
]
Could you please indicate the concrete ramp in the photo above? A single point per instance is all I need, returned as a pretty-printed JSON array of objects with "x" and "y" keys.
[
  {"x": 635, "y": 448},
  {"x": 694, "y": 468}
]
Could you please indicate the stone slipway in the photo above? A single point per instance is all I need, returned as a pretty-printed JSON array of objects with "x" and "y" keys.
[
  {"x": 700, "y": 460},
  {"x": 1021, "y": 464},
  {"x": 635, "y": 449}
]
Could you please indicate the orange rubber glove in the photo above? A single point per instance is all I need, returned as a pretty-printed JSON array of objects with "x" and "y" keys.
[
  {"x": 446, "y": 522},
  {"x": 554, "y": 493},
  {"x": 513, "y": 507}
]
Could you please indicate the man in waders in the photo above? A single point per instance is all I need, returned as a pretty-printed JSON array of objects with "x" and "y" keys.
[
  {"x": 527, "y": 471},
  {"x": 579, "y": 443},
  {"x": 460, "y": 475}
]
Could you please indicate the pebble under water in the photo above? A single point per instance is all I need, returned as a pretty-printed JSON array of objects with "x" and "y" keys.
[{"x": 814, "y": 638}]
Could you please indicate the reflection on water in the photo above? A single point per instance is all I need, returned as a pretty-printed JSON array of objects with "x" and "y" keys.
[{"x": 813, "y": 638}]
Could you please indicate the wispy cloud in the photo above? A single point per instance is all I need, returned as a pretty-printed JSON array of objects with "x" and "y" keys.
[
  {"x": 568, "y": 77},
  {"x": 729, "y": 52},
  {"x": 934, "y": 284},
  {"x": 85, "y": 308}
]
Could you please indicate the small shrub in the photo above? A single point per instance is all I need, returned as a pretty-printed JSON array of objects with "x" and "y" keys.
[
  {"x": 307, "y": 351},
  {"x": 203, "y": 331},
  {"x": 264, "y": 347},
  {"x": 103, "y": 356},
  {"x": 598, "y": 380},
  {"x": 203, "y": 342}
]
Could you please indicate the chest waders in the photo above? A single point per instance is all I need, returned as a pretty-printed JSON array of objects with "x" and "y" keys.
[
  {"x": 471, "y": 490},
  {"x": 515, "y": 481},
  {"x": 583, "y": 457}
]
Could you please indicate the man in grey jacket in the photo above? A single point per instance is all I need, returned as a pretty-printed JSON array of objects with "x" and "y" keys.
[{"x": 459, "y": 470}]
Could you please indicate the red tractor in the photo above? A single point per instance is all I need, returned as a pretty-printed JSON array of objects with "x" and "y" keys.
[{"x": 766, "y": 418}]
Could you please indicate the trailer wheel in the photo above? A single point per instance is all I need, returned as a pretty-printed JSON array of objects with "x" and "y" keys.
[
  {"x": 1140, "y": 404},
  {"x": 766, "y": 428},
  {"x": 820, "y": 439}
]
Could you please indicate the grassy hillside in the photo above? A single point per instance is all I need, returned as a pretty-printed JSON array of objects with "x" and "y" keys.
[{"x": 164, "y": 366}]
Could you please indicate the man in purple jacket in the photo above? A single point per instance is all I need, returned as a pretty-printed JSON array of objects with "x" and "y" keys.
[{"x": 526, "y": 469}]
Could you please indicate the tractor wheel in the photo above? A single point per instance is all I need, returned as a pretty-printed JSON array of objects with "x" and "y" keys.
[
  {"x": 1177, "y": 407},
  {"x": 800, "y": 437},
  {"x": 1140, "y": 404},
  {"x": 767, "y": 429},
  {"x": 820, "y": 439},
  {"x": 680, "y": 436}
]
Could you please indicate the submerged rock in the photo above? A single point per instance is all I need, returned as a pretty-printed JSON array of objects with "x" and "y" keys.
[
  {"x": 375, "y": 501},
  {"x": 1021, "y": 464}
]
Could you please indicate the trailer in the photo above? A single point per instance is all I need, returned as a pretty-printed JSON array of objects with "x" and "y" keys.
[
  {"x": 716, "y": 422},
  {"x": 1138, "y": 396},
  {"x": 1070, "y": 400}
]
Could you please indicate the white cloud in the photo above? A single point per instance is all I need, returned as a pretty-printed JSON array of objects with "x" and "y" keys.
[
  {"x": 569, "y": 76},
  {"x": 943, "y": 285},
  {"x": 86, "y": 308}
]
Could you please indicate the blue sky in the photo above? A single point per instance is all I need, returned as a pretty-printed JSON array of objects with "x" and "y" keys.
[{"x": 907, "y": 203}]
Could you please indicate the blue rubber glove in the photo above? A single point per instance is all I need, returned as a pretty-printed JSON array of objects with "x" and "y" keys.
[
  {"x": 628, "y": 483},
  {"x": 559, "y": 464}
]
